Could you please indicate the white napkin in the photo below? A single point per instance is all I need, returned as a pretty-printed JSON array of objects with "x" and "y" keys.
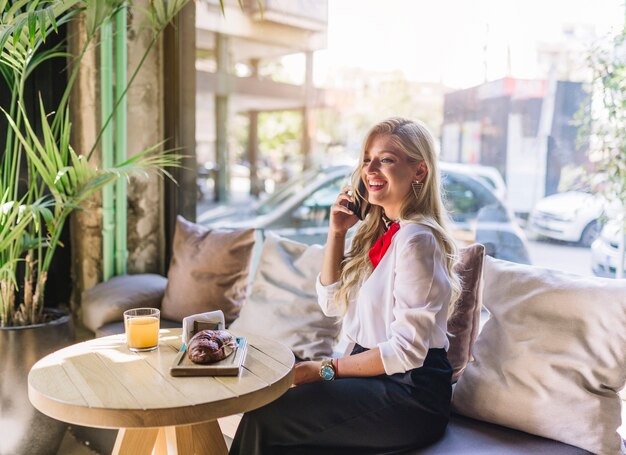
[{"x": 214, "y": 318}]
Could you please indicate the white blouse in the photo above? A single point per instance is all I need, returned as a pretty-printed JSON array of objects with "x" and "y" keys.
[{"x": 402, "y": 306}]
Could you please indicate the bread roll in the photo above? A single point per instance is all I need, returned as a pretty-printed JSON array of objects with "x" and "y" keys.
[{"x": 210, "y": 346}]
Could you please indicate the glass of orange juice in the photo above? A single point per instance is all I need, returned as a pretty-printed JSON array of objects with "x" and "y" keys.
[{"x": 142, "y": 328}]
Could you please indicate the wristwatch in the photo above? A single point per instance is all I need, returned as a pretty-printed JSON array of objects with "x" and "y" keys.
[{"x": 327, "y": 370}]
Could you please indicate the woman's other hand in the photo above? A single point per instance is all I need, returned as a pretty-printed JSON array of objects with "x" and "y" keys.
[
  {"x": 308, "y": 371},
  {"x": 341, "y": 217}
]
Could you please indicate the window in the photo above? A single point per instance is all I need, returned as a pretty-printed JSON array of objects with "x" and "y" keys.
[
  {"x": 315, "y": 210},
  {"x": 461, "y": 201}
]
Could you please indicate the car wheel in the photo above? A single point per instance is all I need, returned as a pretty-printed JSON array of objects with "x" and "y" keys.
[{"x": 590, "y": 233}]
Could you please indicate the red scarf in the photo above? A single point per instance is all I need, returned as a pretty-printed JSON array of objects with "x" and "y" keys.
[{"x": 377, "y": 251}]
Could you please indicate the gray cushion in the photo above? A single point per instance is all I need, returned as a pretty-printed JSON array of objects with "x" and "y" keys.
[
  {"x": 283, "y": 302},
  {"x": 107, "y": 301},
  {"x": 550, "y": 360},
  {"x": 472, "y": 437}
]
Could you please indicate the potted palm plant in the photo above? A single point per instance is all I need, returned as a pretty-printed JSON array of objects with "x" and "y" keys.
[{"x": 42, "y": 181}]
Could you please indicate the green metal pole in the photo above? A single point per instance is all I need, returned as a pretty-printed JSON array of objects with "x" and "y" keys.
[
  {"x": 121, "y": 252},
  {"x": 221, "y": 122},
  {"x": 106, "y": 106}
]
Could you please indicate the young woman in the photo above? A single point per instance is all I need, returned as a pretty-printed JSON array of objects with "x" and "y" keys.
[{"x": 394, "y": 289}]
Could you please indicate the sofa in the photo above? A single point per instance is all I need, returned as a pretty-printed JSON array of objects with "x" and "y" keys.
[{"x": 543, "y": 375}]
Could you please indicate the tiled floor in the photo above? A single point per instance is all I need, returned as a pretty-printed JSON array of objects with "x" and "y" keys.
[{"x": 70, "y": 446}]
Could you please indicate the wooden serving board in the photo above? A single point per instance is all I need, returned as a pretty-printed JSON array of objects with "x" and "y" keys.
[{"x": 230, "y": 366}]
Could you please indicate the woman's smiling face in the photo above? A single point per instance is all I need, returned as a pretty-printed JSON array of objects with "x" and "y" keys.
[{"x": 388, "y": 174}]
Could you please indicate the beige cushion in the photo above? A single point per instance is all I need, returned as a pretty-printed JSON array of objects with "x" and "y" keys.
[
  {"x": 464, "y": 322},
  {"x": 551, "y": 358},
  {"x": 208, "y": 271},
  {"x": 107, "y": 301},
  {"x": 283, "y": 302}
]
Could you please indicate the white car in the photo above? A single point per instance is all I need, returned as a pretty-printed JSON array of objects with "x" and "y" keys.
[
  {"x": 489, "y": 175},
  {"x": 572, "y": 216},
  {"x": 605, "y": 253}
]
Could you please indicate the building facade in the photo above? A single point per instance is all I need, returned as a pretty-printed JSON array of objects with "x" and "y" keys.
[
  {"x": 231, "y": 50},
  {"x": 524, "y": 128}
]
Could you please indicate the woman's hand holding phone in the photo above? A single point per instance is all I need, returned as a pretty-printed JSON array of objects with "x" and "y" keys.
[{"x": 341, "y": 217}]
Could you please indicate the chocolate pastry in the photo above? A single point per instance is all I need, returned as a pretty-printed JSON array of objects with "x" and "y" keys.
[{"x": 210, "y": 346}]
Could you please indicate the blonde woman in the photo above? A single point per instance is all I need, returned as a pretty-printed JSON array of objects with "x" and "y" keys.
[{"x": 394, "y": 289}]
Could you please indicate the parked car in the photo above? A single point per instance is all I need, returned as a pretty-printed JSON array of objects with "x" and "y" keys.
[
  {"x": 605, "y": 253},
  {"x": 300, "y": 210},
  {"x": 489, "y": 175},
  {"x": 573, "y": 216}
]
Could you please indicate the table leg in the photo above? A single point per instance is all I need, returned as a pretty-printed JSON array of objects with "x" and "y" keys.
[
  {"x": 208, "y": 439},
  {"x": 200, "y": 439},
  {"x": 131, "y": 441},
  {"x": 160, "y": 446},
  {"x": 179, "y": 440}
]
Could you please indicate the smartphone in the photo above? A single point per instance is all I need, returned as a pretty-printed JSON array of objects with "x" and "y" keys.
[{"x": 360, "y": 207}]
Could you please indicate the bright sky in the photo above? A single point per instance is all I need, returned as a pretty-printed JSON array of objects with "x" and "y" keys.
[{"x": 444, "y": 40}]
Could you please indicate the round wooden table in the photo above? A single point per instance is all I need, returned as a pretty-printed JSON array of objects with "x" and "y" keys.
[{"x": 100, "y": 383}]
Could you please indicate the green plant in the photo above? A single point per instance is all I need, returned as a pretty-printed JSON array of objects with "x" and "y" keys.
[
  {"x": 604, "y": 122},
  {"x": 42, "y": 178}
]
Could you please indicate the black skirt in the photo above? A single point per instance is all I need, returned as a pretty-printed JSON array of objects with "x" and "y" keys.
[{"x": 373, "y": 415}]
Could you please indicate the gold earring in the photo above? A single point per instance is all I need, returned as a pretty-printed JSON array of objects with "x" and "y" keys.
[{"x": 417, "y": 188}]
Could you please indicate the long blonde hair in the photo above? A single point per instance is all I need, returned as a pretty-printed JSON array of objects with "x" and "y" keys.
[{"x": 416, "y": 141}]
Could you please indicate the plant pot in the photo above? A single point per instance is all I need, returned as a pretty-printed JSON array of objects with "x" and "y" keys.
[{"x": 23, "y": 429}]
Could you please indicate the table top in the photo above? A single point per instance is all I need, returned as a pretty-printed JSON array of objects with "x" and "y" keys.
[{"x": 100, "y": 383}]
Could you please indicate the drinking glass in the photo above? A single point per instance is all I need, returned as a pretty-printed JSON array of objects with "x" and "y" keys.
[{"x": 142, "y": 328}]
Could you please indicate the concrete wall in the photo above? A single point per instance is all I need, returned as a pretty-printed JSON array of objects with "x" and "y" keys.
[
  {"x": 145, "y": 128},
  {"x": 85, "y": 225}
]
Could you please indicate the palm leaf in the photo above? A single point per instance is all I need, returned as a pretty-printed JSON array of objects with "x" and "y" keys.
[
  {"x": 53, "y": 20},
  {"x": 17, "y": 6},
  {"x": 150, "y": 160},
  {"x": 29, "y": 242},
  {"x": 41, "y": 160},
  {"x": 163, "y": 11},
  {"x": 32, "y": 28},
  {"x": 14, "y": 220},
  {"x": 55, "y": 158},
  {"x": 42, "y": 56},
  {"x": 11, "y": 62},
  {"x": 7, "y": 271},
  {"x": 98, "y": 11}
]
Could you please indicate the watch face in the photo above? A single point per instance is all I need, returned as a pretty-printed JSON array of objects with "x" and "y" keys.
[{"x": 327, "y": 373}]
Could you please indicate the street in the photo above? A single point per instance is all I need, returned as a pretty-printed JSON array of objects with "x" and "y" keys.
[{"x": 562, "y": 256}]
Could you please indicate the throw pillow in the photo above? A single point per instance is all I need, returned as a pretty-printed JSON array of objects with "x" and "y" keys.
[
  {"x": 208, "y": 271},
  {"x": 107, "y": 301},
  {"x": 551, "y": 359},
  {"x": 283, "y": 302},
  {"x": 464, "y": 322}
]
